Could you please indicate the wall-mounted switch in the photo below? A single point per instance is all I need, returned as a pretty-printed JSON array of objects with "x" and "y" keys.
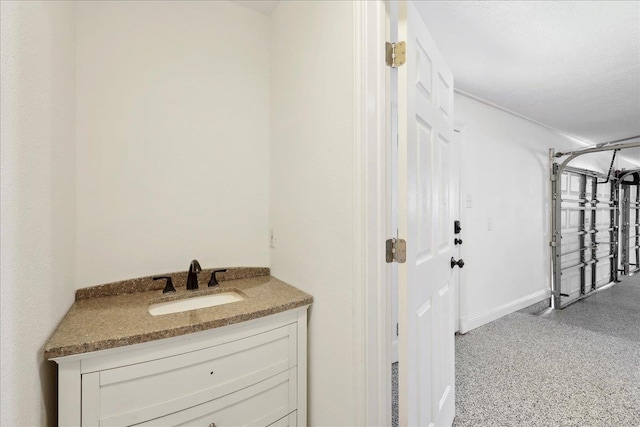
[
  {"x": 272, "y": 238},
  {"x": 469, "y": 200}
]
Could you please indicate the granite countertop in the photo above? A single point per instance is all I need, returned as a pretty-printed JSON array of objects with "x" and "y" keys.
[{"x": 116, "y": 314}]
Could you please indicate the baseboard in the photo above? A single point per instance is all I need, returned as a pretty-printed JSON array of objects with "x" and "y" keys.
[{"x": 468, "y": 324}]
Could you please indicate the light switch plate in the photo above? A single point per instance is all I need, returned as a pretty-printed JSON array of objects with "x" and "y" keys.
[{"x": 272, "y": 238}]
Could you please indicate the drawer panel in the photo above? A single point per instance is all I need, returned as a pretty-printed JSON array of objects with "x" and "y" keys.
[
  {"x": 290, "y": 420},
  {"x": 259, "y": 405},
  {"x": 147, "y": 390}
]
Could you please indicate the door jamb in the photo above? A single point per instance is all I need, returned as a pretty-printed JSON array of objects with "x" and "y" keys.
[
  {"x": 372, "y": 299},
  {"x": 461, "y": 215}
]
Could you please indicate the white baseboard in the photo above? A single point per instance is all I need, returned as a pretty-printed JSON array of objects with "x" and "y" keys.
[{"x": 468, "y": 324}]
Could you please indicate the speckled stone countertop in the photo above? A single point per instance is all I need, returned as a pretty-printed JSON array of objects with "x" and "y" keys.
[{"x": 116, "y": 314}]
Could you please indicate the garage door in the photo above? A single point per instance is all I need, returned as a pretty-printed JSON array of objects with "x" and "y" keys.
[
  {"x": 630, "y": 226},
  {"x": 586, "y": 252}
]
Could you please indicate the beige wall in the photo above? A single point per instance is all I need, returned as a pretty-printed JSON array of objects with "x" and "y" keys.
[
  {"x": 37, "y": 195},
  {"x": 136, "y": 136},
  {"x": 173, "y": 138},
  {"x": 134, "y": 133},
  {"x": 312, "y": 189}
]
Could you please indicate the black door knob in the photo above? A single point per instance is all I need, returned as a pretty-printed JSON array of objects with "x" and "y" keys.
[
  {"x": 459, "y": 263},
  {"x": 457, "y": 241}
]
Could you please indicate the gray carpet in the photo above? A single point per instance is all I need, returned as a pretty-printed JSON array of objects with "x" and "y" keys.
[{"x": 575, "y": 367}]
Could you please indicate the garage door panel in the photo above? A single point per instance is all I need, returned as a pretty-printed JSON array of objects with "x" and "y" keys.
[
  {"x": 571, "y": 219},
  {"x": 574, "y": 185},
  {"x": 604, "y": 192},
  {"x": 586, "y": 222},
  {"x": 633, "y": 253},
  {"x": 602, "y": 252},
  {"x": 603, "y": 273},
  {"x": 571, "y": 283},
  {"x": 630, "y": 228},
  {"x": 570, "y": 244},
  {"x": 603, "y": 218},
  {"x": 571, "y": 260},
  {"x": 635, "y": 228}
]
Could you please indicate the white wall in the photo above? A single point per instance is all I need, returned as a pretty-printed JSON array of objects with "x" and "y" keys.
[
  {"x": 37, "y": 194},
  {"x": 312, "y": 189},
  {"x": 173, "y": 138},
  {"x": 505, "y": 171}
]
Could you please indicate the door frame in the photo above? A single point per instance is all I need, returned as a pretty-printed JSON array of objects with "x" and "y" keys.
[
  {"x": 373, "y": 214},
  {"x": 372, "y": 292},
  {"x": 460, "y": 208}
]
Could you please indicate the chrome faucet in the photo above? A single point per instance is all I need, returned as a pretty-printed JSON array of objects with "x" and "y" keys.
[{"x": 192, "y": 277}]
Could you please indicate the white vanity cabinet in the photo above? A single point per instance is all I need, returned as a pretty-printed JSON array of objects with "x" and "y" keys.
[{"x": 251, "y": 373}]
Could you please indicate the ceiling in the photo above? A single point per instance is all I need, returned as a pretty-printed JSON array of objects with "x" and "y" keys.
[{"x": 573, "y": 66}]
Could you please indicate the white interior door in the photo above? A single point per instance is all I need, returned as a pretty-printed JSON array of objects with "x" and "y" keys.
[{"x": 426, "y": 198}]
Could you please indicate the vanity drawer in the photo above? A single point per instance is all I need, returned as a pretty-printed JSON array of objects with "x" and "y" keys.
[
  {"x": 144, "y": 391},
  {"x": 290, "y": 420},
  {"x": 264, "y": 404}
]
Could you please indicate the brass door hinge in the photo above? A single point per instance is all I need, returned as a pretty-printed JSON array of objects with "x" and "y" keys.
[
  {"x": 396, "y": 54},
  {"x": 396, "y": 250}
]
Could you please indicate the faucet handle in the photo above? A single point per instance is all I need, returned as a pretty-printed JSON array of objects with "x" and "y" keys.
[
  {"x": 214, "y": 281},
  {"x": 168, "y": 288}
]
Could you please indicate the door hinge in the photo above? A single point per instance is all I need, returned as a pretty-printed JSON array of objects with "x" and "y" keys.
[
  {"x": 396, "y": 54},
  {"x": 396, "y": 250}
]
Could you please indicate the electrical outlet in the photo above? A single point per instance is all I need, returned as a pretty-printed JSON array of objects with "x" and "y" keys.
[
  {"x": 490, "y": 224},
  {"x": 272, "y": 239}
]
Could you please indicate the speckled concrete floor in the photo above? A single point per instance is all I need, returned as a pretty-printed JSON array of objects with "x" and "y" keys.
[
  {"x": 394, "y": 394},
  {"x": 614, "y": 311},
  {"x": 576, "y": 367}
]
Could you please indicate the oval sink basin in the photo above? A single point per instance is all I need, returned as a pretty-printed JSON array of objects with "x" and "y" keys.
[{"x": 187, "y": 304}]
